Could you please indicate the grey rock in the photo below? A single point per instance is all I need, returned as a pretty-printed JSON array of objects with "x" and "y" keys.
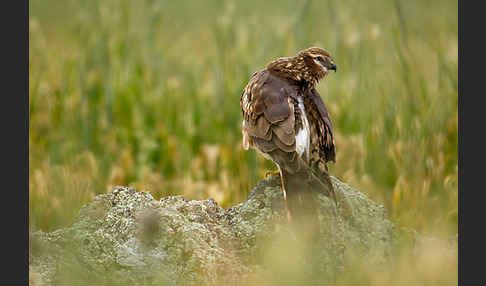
[{"x": 127, "y": 237}]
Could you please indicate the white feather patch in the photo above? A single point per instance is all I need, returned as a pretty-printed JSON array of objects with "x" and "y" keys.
[{"x": 302, "y": 139}]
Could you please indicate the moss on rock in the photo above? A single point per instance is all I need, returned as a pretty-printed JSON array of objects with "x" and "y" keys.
[{"x": 126, "y": 237}]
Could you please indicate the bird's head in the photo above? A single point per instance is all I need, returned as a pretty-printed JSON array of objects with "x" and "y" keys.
[
  {"x": 307, "y": 66},
  {"x": 318, "y": 61}
]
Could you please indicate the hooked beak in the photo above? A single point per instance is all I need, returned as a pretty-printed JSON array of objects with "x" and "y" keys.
[{"x": 333, "y": 67}]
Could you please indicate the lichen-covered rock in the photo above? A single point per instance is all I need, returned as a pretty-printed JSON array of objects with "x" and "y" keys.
[{"x": 127, "y": 238}]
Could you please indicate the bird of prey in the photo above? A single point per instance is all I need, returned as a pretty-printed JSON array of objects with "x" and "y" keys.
[{"x": 285, "y": 119}]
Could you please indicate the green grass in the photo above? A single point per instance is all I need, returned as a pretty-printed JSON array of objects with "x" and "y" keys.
[{"x": 146, "y": 93}]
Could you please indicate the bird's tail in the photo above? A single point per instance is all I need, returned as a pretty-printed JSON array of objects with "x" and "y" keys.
[
  {"x": 300, "y": 184},
  {"x": 300, "y": 188}
]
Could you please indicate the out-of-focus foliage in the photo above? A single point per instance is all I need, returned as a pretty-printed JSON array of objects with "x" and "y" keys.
[{"x": 146, "y": 93}]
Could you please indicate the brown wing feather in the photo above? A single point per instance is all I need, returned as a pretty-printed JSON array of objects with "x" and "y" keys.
[
  {"x": 261, "y": 129},
  {"x": 268, "y": 113},
  {"x": 318, "y": 116}
]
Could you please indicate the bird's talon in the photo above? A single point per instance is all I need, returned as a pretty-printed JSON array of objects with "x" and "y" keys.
[{"x": 270, "y": 173}]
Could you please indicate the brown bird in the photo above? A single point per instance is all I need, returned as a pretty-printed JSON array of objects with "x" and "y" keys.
[{"x": 285, "y": 119}]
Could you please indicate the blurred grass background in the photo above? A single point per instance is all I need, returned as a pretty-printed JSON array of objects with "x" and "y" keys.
[{"x": 146, "y": 93}]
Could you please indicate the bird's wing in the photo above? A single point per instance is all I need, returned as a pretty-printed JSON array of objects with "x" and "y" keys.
[
  {"x": 268, "y": 113},
  {"x": 321, "y": 125}
]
